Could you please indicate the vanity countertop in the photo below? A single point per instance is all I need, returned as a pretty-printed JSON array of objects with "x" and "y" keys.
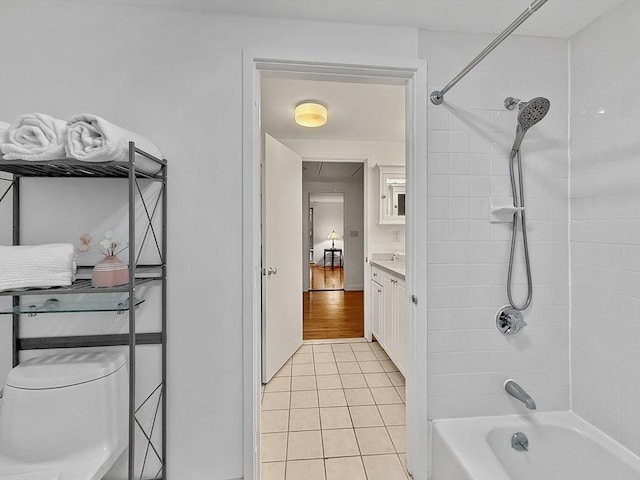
[{"x": 395, "y": 268}]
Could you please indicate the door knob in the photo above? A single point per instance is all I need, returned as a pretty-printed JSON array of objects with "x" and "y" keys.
[{"x": 272, "y": 271}]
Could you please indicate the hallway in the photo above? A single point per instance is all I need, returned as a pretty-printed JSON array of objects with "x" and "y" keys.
[{"x": 335, "y": 411}]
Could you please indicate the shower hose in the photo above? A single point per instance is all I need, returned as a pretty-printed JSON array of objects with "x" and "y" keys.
[{"x": 518, "y": 201}]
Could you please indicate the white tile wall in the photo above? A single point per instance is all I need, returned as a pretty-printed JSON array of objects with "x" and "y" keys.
[
  {"x": 469, "y": 137},
  {"x": 605, "y": 223}
]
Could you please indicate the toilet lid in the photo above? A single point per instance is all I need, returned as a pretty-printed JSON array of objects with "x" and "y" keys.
[{"x": 54, "y": 371}]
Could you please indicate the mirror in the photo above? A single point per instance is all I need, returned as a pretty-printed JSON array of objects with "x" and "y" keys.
[{"x": 392, "y": 194}]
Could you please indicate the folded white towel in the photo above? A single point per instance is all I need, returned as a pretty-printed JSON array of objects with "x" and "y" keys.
[
  {"x": 34, "y": 136},
  {"x": 33, "y": 266},
  {"x": 4, "y": 126},
  {"x": 93, "y": 139}
]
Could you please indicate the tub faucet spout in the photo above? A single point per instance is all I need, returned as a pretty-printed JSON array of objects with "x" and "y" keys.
[{"x": 516, "y": 391}]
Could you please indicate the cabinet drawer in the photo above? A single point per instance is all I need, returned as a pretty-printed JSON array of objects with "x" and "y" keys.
[{"x": 376, "y": 274}]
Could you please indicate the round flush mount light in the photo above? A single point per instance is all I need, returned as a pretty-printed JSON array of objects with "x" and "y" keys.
[{"x": 310, "y": 114}]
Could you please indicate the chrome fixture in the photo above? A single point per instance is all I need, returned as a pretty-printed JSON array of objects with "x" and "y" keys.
[
  {"x": 531, "y": 112},
  {"x": 437, "y": 97},
  {"x": 509, "y": 321},
  {"x": 520, "y": 442},
  {"x": 517, "y": 392}
]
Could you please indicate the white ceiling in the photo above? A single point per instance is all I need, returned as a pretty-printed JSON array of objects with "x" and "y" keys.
[
  {"x": 355, "y": 111},
  {"x": 557, "y": 18},
  {"x": 332, "y": 172}
]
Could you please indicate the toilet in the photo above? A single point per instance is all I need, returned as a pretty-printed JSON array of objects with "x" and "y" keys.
[{"x": 64, "y": 417}]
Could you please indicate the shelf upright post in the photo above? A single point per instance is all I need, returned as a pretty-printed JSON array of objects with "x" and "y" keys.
[
  {"x": 132, "y": 310},
  {"x": 15, "y": 300},
  {"x": 164, "y": 321}
]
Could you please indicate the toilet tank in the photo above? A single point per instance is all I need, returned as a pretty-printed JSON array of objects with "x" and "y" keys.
[{"x": 63, "y": 404}]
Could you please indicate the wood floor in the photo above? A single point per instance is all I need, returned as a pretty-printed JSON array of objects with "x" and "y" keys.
[
  {"x": 333, "y": 314},
  {"x": 326, "y": 278}
]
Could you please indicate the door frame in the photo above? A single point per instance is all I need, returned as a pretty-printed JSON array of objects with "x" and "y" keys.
[{"x": 411, "y": 73}]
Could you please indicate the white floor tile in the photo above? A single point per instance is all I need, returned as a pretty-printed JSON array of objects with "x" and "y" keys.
[
  {"x": 272, "y": 471},
  {"x": 396, "y": 378},
  {"x": 272, "y": 421},
  {"x": 302, "y": 358},
  {"x": 304, "y": 445},
  {"x": 341, "y": 347},
  {"x": 366, "y": 416},
  {"x": 388, "y": 366},
  {"x": 385, "y": 395},
  {"x": 359, "y": 396},
  {"x": 340, "y": 443},
  {"x": 328, "y": 382},
  {"x": 304, "y": 399},
  {"x": 326, "y": 369},
  {"x": 398, "y": 434},
  {"x": 307, "y": 382},
  {"x": 374, "y": 441},
  {"x": 345, "y": 357},
  {"x": 353, "y": 380},
  {"x": 273, "y": 447},
  {"x": 381, "y": 355},
  {"x": 304, "y": 419},
  {"x": 335, "y": 417},
  {"x": 365, "y": 356},
  {"x": 345, "y": 468},
  {"x": 377, "y": 379},
  {"x": 305, "y": 349},
  {"x": 305, "y": 470},
  {"x": 275, "y": 401},
  {"x": 371, "y": 367},
  {"x": 278, "y": 384},
  {"x": 393, "y": 414},
  {"x": 361, "y": 347},
  {"x": 383, "y": 467},
  {"x": 323, "y": 358},
  {"x": 302, "y": 369},
  {"x": 326, "y": 348},
  {"x": 375, "y": 346},
  {"x": 348, "y": 367},
  {"x": 332, "y": 398}
]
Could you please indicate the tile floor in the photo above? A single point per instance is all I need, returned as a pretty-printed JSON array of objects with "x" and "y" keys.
[{"x": 335, "y": 411}]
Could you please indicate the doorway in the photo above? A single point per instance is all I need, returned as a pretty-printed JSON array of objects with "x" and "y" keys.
[
  {"x": 326, "y": 242},
  {"x": 416, "y": 280}
]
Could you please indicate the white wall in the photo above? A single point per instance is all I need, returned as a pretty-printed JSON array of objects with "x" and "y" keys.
[
  {"x": 176, "y": 77},
  {"x": 470, "y": 136},
  {"x": 327, "y": 217},
  {"x": 605, "y": 223}
]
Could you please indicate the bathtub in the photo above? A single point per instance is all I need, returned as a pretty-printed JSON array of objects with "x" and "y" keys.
[{"x": 562, "y": 446}]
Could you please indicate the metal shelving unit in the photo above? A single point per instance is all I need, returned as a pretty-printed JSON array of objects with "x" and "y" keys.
[{"x": 82, "y": 297}]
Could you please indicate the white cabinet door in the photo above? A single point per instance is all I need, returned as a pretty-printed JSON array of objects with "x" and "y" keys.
[
  {"x": 402, "y": 341},
  {"x": 376, "y": 310},
  {"x": 388, "y": 315}
]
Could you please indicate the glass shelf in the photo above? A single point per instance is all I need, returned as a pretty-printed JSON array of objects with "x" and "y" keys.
[
  {"x": 144, "y": 274},
  {"x": 90, "y": 302}
]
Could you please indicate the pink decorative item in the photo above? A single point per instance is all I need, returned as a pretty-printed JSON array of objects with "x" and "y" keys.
[{"x": 110, "y": 272}]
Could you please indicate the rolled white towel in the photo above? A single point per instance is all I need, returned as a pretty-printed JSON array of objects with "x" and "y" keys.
[
  {"x": 37, "y": 266},
  {"x": 35, "y": 137},
  {"x": 4, "y": 126},
  {"x": 93, "y": 139}
]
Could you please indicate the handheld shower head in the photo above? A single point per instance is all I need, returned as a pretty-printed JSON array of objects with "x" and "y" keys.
[{"x": 531, "y": 112}]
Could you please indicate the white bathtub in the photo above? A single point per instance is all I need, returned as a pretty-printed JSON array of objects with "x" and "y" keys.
[{"x": 562, "y": 446}]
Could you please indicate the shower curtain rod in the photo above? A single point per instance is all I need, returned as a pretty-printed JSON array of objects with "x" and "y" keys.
[{"x": 437, "y": 97}]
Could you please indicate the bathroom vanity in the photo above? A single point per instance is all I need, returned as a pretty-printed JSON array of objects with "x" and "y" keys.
[{"x": 389, "y": 309}]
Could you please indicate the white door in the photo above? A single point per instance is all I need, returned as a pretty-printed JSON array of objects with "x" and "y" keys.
[{"x": 281, "y": 256}]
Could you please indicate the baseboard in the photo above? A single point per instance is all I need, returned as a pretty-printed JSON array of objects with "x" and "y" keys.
[{"x": 353, "y": 288}]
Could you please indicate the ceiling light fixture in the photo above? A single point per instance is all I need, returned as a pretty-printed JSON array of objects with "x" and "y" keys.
[{"x": 310, "y": 114}]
